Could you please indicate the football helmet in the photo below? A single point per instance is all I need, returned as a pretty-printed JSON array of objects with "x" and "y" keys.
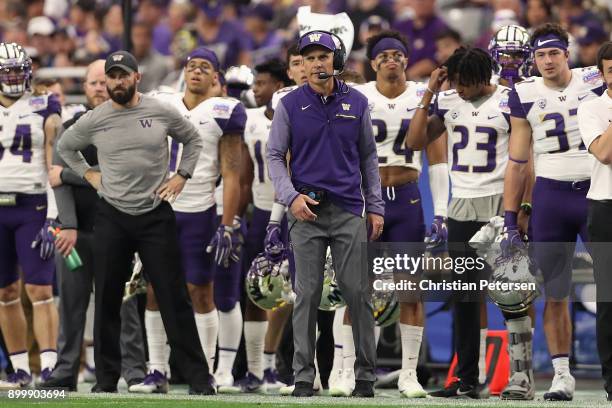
[
  {"x": 268, "y": 284},
  {"x": 331, "y": 297},
  {"x": 15, "y": 70},
  {"x": 511, "y": 51},
  {"x": 385, "y": 307},
  {"x": 516, "y": 268}
]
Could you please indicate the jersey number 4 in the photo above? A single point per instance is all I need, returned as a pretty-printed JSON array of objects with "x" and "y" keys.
[
  {"x": 398, "y": 144},
  {"x": 22, "y": 144}
]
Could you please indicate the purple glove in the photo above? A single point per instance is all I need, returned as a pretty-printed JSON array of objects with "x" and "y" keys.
[
  {"x": 237, "y": 239},
  {"x": 274, "y": 247},
  {"x": 511, "y": 236},
  {"x": 221, "y": 243},
  {"x": 511, "y": 241},
  {"x": 45, "y": 239},
  {"x": 438, "y": 235}
]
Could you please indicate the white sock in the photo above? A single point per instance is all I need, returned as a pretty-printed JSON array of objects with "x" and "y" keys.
[
  {"x": 269, "y": 361},
  {"x": 89, "y": 357},
  {"x": 337, "y": 332},
  {"x": 230, "y": 331},
  {"x": 561, "y": 365},
  {"x": 377, "y": 331},
  {"x": 20, "y": 361},
  {"x": 254, "y": 339},
  {"x": 348, "y": 347},
  {"x": 48, "y": 359},
  {"x": 208, "y": 328},
  {"x": 411, "y": 345},
  {"x": 157, "y": 341},
  {"x": 482, "y": 357},
  {"x": 88, "y": 334}
]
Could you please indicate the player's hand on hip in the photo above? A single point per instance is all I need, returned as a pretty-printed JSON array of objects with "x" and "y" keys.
[
  {"x": 65, "y": 241},
  {"x": 94, "y": 178},
  {"x": 172, "y": 188},
  {"x": 45, "y": 240},
  {"x": 376, "y": 223},
  {"x": 301, "y": 211},
  {"x": 55, "y": 175}
]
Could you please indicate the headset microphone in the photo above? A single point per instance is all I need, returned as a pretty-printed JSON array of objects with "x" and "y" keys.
[{"x": 325, "y": 75}]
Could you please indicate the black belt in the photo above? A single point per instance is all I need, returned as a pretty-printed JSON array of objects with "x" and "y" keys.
[{"x": 581, "y": 185}]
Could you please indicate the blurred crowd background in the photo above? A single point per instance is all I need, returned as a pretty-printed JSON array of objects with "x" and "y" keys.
[{"x": 68, "y": 33}]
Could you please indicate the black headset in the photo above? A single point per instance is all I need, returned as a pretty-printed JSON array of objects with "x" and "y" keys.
[{"x": 339, "y": 53}]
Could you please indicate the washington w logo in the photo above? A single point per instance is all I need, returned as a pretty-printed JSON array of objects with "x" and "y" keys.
[
  {"x": 346, "y": 106},
  {"x": 117, "y": 57},
  {"x": 146, "y": 123},
  {"x": 314, "y": 37}
]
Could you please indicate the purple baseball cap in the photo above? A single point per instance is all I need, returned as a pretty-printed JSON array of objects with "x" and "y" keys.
[
  {"x": 592, "y": 33},
  {"x": 319, "y": 38},
  {"x": 212, "y": 8},
  {"x": 205, "y": 54},
  {"x": 262, "y": 11}
]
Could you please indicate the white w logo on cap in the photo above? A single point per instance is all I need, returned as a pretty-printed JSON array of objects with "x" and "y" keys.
[
  {"x": 314, "y": 37},
  {"x": 117, "y": 57}
]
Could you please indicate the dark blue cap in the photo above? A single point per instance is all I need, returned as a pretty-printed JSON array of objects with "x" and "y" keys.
[{"x": 205, "y": 54}]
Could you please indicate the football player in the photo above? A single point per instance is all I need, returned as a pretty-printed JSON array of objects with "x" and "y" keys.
[
  {"x": 393, "y": 101},
  {"x": 221, "y": 124},
  {"x": 27, "y": 128},
  {"x": 544, "y": 113},
  {"x": 259, "y": 330},
  {"x": 511, "y": 51},
  {"x": 475, "y": 116}
]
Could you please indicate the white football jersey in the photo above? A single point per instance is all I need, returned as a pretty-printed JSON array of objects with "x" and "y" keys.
[
  {"x": 213, "y": 118},
  {"x": 256, "y": 134},
  {"x": 390, "y": 121},
  {"x": 559, "y": 151},
  {"x": 278, "y": 95},
  {"x": 477, "y": 142},
  {"x": 69, "y": 111},
  {"x": 22, "y": 143}
]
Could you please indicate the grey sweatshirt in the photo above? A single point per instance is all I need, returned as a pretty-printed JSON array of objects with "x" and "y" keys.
[{"x": 132, "y": 150}]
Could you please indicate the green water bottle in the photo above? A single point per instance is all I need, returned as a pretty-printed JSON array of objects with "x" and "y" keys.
[{"x": 73, "y": 260}]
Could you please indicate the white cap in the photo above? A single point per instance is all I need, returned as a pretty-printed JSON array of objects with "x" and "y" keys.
[{"x": 41, "y": 25}]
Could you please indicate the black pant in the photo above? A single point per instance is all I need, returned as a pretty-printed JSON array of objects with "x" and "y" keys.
[
  {"x": 153, "y": 236},
  {"x": 75, "y": 289},
  {"x": 600, "y": 234},
  {"x": 466, "y": 306}
]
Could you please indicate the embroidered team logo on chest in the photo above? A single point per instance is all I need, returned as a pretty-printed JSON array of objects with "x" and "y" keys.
[
  {"x": 541, "y": 103},
  {"x": 346, "y": 106}
]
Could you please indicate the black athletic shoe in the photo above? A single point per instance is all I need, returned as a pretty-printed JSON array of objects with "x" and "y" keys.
[
  {"x": 363, "y": 389},
  {"x": 65, "y": 384},
  {"x": 302, "y": 389},
  {"x": 104, "y": 388},
  {"x": 457, "y": 389},
  {"x": 210, "y": 388}
]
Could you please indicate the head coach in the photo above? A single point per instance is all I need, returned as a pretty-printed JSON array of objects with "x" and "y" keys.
[
  {"x": 331, "y": 185},
  {"x": 130, "y": 133}
]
